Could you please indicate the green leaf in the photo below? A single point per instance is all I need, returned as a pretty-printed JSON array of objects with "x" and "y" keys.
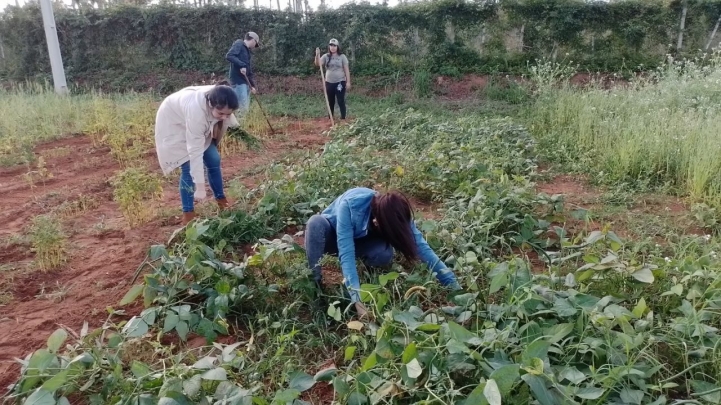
[
  {"x": 191, "y": 386},
  {"x": 462, "y": 334},
  {"x": 56, "y": 381},
  {"x": 677, "y": 289},
  {"x": 643, "y": 275},
  {"x": 409, "y": 353},
  {"x": 506, "y": 377},
  {"x": 334, "y": 312},
  {"x": 64, "y": 401},
  {"x": 584, "y": 275},
  {"x": 594, "y": 237},
  {"x": 301, "y": 381},
  {"x": 56, "y": 340},
  {"x": 563, "y": 307},
  {"x": 349, "y": 352},
  {"x": 492, "y": 393},
  {"x": 370, "y": 362},
  {"x": 171, "y": 321},
  {"x": 149, "y": 295},
  {"x": 558, "y": 332},
  {"x": 340, "y": 385},
  {"x": 590, "y": 393},
  {"x": 572, "y": 375},
  {"x": 429, "y": 327},
  {"x": 216, "y": 374},
  {"x": 537, "y": 349},
  {"x": 286, "y": 396},
  {"x": 640, "y": 308},
  {"x": 383, "y": 279},
  {"x": 136, "y": 327},
  {"x": 40, "y": 397},
  {"x": 182, "y": 329},
  {"x": 540, "y": 392},
  {"x": 498, "y": 282},
  {"x": 132, "y": 295},
  {"x": 700, "y": 387},
  {"x": 326, "y": 374},
  {"x": 414, "y": 368},
  {"x": 406, "y": 318},
  {"x": 157, "y": 251},
  {"x": 383, "y": 348},
  {"x": 630, "y": 396},
  {"x": 140, "y": 369},
  {"x": 357, "y": 398}
]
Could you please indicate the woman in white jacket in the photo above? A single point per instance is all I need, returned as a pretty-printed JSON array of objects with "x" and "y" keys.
[{"x": 188, "y": 128}]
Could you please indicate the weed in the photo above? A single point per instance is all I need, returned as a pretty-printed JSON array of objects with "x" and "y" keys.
[
  {"x": 48, "y": 242},
  {"x": 137, "y": 192},
  {"x": 422, "y": 83},
  {"x": 41, "y": 173}
]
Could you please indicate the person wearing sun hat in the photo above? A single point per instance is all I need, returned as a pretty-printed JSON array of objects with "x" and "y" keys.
[
  {"x": 337, "y": 75},
  {"x": 241, "y": 71}
]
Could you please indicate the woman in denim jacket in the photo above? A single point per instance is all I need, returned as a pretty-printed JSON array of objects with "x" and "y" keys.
[{"x": 364, "y": 223}]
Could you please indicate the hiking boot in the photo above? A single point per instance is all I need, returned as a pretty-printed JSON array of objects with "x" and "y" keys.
[
  {"x": 187, "y": 217},
  {"x": 223, "y": 203}
]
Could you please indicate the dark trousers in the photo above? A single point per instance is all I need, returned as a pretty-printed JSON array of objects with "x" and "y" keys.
[
  {"x": 336, "y": 91},
  {"x": 320, "y": 239}
]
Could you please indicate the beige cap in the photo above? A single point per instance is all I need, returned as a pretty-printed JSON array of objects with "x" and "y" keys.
[
  {"x": 333, "y": 41},
  {"x": 255, "y": 37}
]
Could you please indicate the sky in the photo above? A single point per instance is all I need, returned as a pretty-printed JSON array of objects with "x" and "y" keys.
[{"x": 263, "y": 3}]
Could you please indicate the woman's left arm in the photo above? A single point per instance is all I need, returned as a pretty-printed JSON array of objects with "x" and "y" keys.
[
  {"x": 347, "y": 72},
  {"x": 444, "y": 275}
]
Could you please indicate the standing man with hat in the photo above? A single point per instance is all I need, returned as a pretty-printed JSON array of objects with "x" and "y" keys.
[{"x": 241, "y": 71}]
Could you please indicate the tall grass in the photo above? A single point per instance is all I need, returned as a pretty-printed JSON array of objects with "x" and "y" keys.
[
  {"x": 662, "y": 129},
  {"x": 33, "y": 113}
]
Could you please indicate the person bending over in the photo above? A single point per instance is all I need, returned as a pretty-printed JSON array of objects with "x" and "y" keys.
[
  {"x": 188, "y": 128},
  {"x": 369, "y": 225}
]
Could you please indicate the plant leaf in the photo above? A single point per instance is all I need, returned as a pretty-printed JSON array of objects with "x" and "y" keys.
[
  {"x": 216, "y": 374},
  {"x": 191, "y": 386},
  {"x": 301, "y": 381},
  {"x": 357, "y": 398},
  {"x": 182, "y": 329},
  {"x": 56, "y": 340},
  {"x": 630, "y": 396},
  {"x": 539, "y": 390},
  {"x": 140, "y": 369},
  {"x": 414, "y": 368},
  {"x": 40, "y": 397},
  {"x": 57, "y": 381},
  {"x": 326, "y": 374},
  {"x": 590, "y": 392},
  {"x": 643, "y": 275},
  {"x": 132, "y": 294},
  {"x": 286, "y": 396},
  {"x": 355, "y": 325},
  {"x": 349, "y": 352},
  {"x": 492, "y": 392},
  {"x": 409, "y": 353},
  {"x": 506, "y": 377},
  {"x": 135, "y": 327}
]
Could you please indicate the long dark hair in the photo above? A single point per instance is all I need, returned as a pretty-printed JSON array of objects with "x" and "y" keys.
[
  {"x": 222, "y": 96},
  {"x": 394, "y": 213}
]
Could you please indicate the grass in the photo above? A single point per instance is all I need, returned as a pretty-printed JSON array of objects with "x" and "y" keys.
[
  {"x": 33, "y": 113},
  {"x": 658, "y": 131},
  {"x": 48, "y": 241}
]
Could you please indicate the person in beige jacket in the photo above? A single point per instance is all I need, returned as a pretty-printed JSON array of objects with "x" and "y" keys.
[{"x": 189, "y": 126}]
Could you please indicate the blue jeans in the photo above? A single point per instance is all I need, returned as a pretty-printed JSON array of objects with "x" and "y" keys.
[
  {"x": 211, "y": 159},
  {"x": 320, "y": 238},
  {"x": 243, "y": 93}
]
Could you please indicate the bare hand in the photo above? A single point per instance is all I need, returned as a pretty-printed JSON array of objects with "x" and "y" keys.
[
  {"x": 317, "y": 51},
  {"x": 347, "y": 86},
  {"x": 253, "y": 90},
  {"x": 242, "y": 71}
]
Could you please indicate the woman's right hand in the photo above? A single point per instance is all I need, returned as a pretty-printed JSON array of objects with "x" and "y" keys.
[
  {"x": 317, "y": 51},
  {"x": 199, "y": 194}
]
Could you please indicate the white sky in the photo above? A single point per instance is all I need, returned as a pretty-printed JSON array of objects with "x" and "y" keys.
[{"x": 263, "y": 3}]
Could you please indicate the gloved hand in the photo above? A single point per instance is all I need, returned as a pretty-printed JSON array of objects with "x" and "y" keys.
[{"x": 199, "y": 192}]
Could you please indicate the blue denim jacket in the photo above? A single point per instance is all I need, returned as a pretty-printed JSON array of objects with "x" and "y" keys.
[{"x": 350, "y": 214}]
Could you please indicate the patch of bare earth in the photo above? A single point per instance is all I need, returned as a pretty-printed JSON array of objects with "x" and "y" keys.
[{"x": 104, "y": 252}]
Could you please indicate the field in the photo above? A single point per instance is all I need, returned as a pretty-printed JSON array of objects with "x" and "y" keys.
[{"x": 582, "y": 222}]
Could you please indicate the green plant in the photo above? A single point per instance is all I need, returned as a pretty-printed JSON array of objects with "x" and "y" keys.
[
  {"x": 48, "y": 241},
  {"x": 136, "y": 191},
  {"x": 422, "y": 83}
]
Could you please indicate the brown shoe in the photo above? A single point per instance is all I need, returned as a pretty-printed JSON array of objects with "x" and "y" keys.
[
  {"x": 223, "y": 203},
  {"x": 187, "y": 217}
]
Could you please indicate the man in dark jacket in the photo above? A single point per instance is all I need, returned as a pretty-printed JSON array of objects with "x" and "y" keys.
[{"x": 241, "y": 71}]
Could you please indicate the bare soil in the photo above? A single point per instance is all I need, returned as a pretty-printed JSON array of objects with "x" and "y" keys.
[{"x": 104, "y": 252}]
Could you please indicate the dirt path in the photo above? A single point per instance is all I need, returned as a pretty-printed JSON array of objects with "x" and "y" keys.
[{"x": 103, "y": 251}]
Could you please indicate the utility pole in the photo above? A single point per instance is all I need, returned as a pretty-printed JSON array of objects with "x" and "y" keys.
[{"x": 51, "y": 35}]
